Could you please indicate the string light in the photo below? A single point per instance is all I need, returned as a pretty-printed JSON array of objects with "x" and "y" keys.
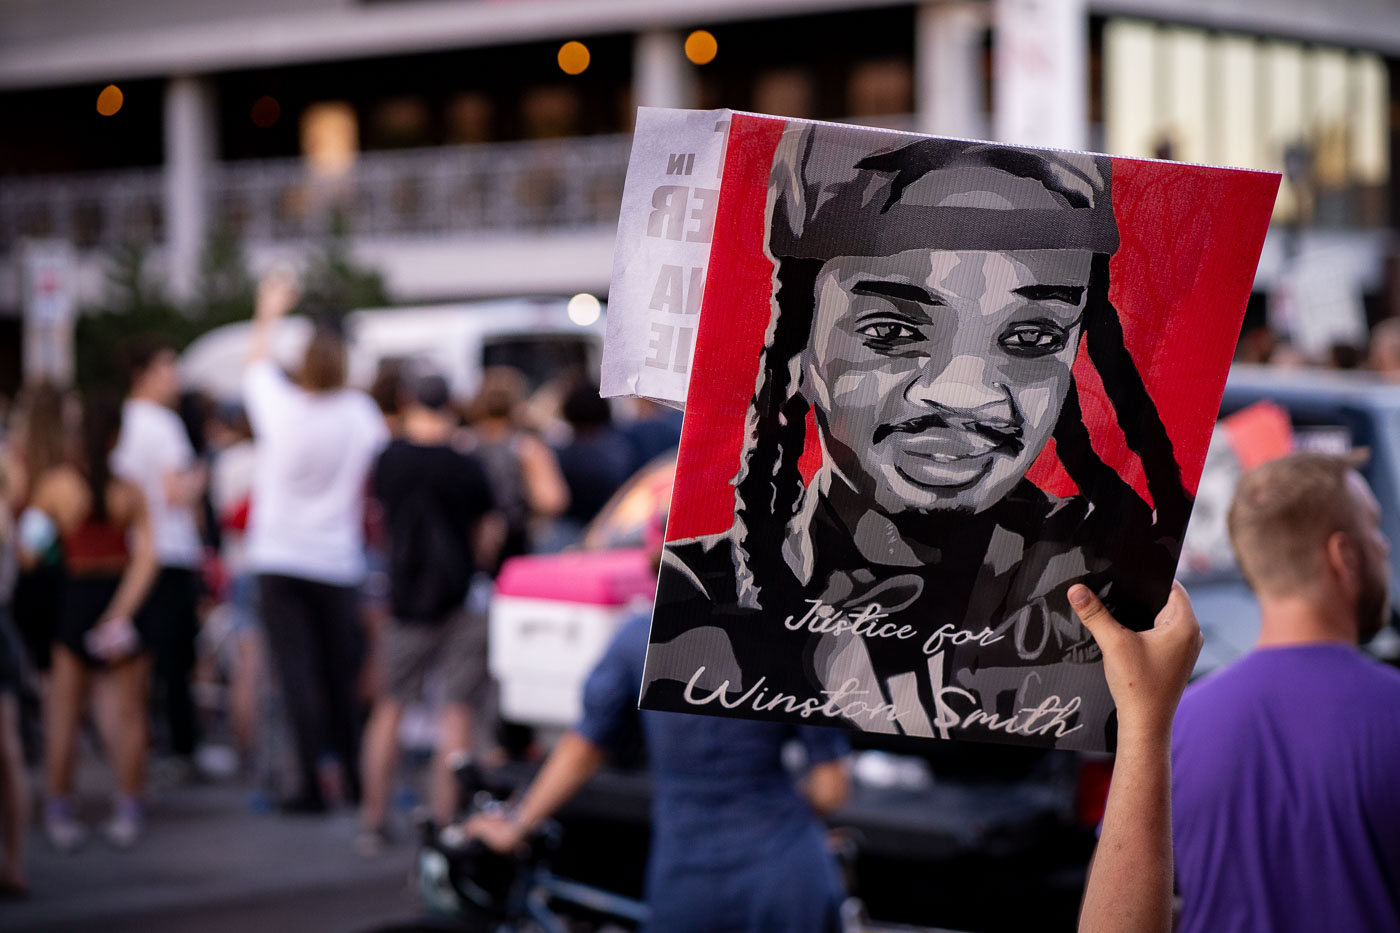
[
  {"x": 109, "y": 101},
  {"x": 574, "y": 58},
  {"x": 701, "y": 47}
]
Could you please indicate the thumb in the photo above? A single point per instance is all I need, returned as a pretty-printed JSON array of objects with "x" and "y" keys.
[
  {"x": 1093, "y": 613},
  {"x": 1177, "y": 621},
  {"x": 1177, "y": 608}
]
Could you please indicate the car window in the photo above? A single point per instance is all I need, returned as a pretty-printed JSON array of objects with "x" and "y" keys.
[
  {"x": 1329, "y": 427},
  {"x": 539, "y": 358}
]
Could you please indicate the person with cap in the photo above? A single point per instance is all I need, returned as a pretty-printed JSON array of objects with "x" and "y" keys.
[
  {"x": 931, "y": 300},
  {"x": 438, "y": 506}
]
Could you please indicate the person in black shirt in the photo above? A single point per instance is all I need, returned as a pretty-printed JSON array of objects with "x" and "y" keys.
[
  {"x": 437, "y": 504},
  {"x": 597, "y": 460}
]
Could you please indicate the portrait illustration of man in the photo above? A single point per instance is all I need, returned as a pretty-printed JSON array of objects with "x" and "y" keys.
[{"x": 930, "y": 299}]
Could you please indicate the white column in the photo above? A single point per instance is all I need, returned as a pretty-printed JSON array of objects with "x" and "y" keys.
[
  {"x": 1041, "y": 67},
  {"x": 948, "y": 69},
  {"x": 661, "y": 75},
  {"x": 191, "y": 132}
]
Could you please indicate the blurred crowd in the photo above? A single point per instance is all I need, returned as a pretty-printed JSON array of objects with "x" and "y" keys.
[
  {"x": 1379, "y": 354},
  {"x": 263, "y": 587},
  {"x": 278, "y": 588}
]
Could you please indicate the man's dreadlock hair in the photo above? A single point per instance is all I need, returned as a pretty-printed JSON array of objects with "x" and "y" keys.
[{"x": 769, "y": 488}]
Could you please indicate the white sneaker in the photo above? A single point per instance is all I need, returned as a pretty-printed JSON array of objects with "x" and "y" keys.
[
  {"x": 65, "y": 833},
  {"x": 123, "y": 829}
]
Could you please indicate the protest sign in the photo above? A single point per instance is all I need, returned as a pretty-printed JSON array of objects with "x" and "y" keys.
[
  {"x": 667, "y": 222},
  {"x": 935, "y": 382}
]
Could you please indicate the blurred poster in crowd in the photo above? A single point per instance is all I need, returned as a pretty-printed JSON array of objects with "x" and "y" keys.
[
  {"x": 1253, "y": 435},
  {"x": 935, "y": 382},
  {"x": 1317, "y": 303},
  {"x": 50, "y": 278}
]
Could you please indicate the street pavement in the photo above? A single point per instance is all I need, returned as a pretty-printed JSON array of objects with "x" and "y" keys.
[{"x": 209, "y": 863}]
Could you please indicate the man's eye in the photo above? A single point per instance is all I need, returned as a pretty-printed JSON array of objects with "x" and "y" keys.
[
  {"x": 889, "y": 331},
  {"x": 1034, "y": 339}
]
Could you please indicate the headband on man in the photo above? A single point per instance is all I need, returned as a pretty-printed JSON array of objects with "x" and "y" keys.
[{"x": 832, "y": 197}]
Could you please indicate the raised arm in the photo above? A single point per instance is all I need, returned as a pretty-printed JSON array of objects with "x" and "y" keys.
[
  {"x": 277, "y": 295},
  {"x": 1130, "y": 880}
]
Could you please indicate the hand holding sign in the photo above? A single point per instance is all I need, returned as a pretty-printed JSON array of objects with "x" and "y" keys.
[{"x": 1146, "y": 671}]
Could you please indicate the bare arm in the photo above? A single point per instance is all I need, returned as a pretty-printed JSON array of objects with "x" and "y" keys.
[
  {"x": 545, "y": 489},
  {"x": 573, "y": 761},
  {"x": 487, "y": 538},
  {"x": 140, "y": 570},
  {"x": 184, "y": 487},
  {"x": 1130, "y": 881},
  {"x": 277, "y": 295},
  {"x": 827, "y": 786}
]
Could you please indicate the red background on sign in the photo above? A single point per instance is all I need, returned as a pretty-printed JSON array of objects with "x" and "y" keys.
[{"x": 1189, "y": 240}]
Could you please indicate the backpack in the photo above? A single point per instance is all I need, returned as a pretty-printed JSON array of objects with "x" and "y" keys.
[{"x": 430, "y": 565}]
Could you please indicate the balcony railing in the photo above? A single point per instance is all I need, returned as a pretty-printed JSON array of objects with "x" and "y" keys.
[
  {"x": 551, "y": 185},
  {"x": 90, "y": 210}
]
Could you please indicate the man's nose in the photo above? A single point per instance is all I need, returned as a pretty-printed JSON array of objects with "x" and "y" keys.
[{"x": 964, "y": 383}]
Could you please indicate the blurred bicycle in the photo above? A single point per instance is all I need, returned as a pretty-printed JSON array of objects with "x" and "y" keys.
[{"x": 468, "y": 888}]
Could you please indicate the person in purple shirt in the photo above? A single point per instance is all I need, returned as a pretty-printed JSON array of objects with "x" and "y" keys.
[{"x": 1285, "y": 806}]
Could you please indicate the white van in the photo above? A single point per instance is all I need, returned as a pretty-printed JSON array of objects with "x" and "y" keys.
[{"x": 535, "y": 335}]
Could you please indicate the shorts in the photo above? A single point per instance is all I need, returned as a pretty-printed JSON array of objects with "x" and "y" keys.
[
  {"x": 12, "y": 662},
  {"x": 85, "y": 598},
  {"x": 37, "y": 599},
  {"x": 454, "y": 650}
]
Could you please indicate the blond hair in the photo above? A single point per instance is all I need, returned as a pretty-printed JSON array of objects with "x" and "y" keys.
[{"x": 1282, "y": 515}]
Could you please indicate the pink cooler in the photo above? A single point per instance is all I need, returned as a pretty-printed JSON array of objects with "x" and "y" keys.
[{"x": 552, "y": 617}]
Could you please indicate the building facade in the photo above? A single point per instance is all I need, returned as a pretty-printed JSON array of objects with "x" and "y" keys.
[{"x": 447, "y": 137}]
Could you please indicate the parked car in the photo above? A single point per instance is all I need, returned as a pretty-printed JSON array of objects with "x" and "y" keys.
[
  {"x": 535, "y": 335},
  {"x": 1326, "y": 410}
]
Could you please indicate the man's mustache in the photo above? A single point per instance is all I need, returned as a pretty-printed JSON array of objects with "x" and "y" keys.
[{"x": 1004, "y": 434}]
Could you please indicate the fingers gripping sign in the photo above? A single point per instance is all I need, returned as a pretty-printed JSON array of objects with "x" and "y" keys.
[{"x": 1146, "y": 671}]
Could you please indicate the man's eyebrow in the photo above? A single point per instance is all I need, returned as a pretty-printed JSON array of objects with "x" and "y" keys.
[
  {"x": 1066, "y": 293},
  {"x": 898, "y": 290}
]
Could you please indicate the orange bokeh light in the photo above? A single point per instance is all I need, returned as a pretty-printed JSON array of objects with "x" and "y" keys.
[
  {"x": 701, "y": 47},
  {"x": 109, "y": 101},
  {"x": 574, "y": 58}
]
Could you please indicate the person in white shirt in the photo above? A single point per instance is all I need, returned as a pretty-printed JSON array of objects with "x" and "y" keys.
[
  {"x": 154, "y": 453},
  {"x": 317, "y": 441}
]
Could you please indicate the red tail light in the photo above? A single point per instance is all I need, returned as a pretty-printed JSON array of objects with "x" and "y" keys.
[{"x": 1091, "y": 791}]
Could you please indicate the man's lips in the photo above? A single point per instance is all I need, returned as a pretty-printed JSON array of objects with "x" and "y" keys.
[{"x": 945, "y": 476}]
